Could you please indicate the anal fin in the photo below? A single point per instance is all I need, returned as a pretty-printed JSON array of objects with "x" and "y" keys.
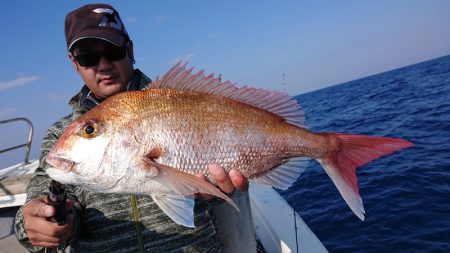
[{"x": 283, "y": 176}]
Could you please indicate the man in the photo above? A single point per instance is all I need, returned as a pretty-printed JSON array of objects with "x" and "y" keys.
[{"x": 102, "y": 54}]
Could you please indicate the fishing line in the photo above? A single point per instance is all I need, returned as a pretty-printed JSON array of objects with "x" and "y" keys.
[
  {"x": 293, "y": 201},
  {"x": 306, "y": 180},
  {"x": 295, "y": 225}
]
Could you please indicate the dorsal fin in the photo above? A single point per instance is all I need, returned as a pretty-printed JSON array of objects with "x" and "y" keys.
[{"x": 178, "y": 77}]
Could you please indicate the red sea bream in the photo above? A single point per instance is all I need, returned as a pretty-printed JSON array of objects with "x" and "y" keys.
[{"x": 154, "y": 142}]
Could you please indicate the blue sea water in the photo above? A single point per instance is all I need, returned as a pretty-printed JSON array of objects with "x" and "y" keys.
[{"x": 406, "y": 195}]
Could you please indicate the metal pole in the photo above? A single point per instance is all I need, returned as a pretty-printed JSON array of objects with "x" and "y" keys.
[{"x": 30, "y": 137}]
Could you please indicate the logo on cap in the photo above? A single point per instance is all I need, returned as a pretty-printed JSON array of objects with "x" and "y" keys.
[{"x": 110, "y": 19}]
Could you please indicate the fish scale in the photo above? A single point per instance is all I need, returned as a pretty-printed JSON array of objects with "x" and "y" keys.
[
  {"x": 239, "y": 137},
  {"x": 242, "y": 141},
  {"x": 160, "y": 138}
]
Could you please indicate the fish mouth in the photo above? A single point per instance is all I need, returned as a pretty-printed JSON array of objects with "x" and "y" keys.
[{"x": 61, "y": 163}]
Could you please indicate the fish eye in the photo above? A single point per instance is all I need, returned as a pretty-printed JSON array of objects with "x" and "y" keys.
[{"x": 89, "y": 130}]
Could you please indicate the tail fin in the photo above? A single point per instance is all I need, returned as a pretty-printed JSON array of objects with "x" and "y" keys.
[{"x": 350, "y": 152}]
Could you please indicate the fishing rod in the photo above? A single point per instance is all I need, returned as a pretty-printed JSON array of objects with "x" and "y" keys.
[{"x": 57, "y": 198}]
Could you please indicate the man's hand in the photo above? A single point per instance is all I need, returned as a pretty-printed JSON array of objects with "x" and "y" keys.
[
  {"x": 40, "y": 230},
  {"x": 227, "y": 182}
]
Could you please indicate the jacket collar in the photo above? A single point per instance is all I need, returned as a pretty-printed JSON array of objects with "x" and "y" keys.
[{"x": 84, "y": 100}]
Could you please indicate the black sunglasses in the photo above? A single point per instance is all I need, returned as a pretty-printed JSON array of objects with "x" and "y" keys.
[{"x": 93, "y": 58}]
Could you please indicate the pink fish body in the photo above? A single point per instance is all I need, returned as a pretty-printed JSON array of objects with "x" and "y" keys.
[{"x": 153, "y": 142}]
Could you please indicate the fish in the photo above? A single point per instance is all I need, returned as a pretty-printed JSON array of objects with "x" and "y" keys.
[{"x": 153, "y": 142}]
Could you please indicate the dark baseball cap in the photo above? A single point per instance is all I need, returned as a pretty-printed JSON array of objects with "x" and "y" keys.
[{"x": 95, "y": 21}]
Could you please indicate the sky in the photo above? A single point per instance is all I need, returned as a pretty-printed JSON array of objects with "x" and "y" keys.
[{"x": 296, "y": 46}]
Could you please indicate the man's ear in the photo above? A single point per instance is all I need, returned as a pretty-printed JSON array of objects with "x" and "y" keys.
[
  {"x": 130, "y": 50},
  {"x": 72, "y": 59}
]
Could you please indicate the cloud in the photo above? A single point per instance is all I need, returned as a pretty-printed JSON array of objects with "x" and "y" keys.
[
  {"x": 55, "y": 97},
  {"x": 143, "y": 59},
  {"x": 213, "y": 35},
  {"x": 160, "y": 18},
  {"x": 19, "y": 81},
  {"x": 131, "y": 19},
  {"x": 7, "y": 110},
  {"x": 184, "y": 58}
]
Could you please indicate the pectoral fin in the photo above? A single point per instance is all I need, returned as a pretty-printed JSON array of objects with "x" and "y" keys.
[{"x": 184, "y": 183}]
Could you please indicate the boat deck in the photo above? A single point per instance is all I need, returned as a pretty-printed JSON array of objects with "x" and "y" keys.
[
  {"x": 275, "y": 224},
  {"x": 13, "y": 183}
]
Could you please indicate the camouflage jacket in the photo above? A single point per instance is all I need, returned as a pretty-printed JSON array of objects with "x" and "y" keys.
[{"x": 118, "y": 223}]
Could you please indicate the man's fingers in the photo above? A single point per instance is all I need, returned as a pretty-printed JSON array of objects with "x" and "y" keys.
[
  {"x": 204, "y": 195},
  {"x": 238, "y": 180},
  {"x": 69, "y": 204},
  {"x": 45, "y": 244},
  {"x": 44, "y": 210},
  {"x": 51, "y": 229},
  {"x": 49, "y": 234},
  {"x": 40, "y": 230},
  {"x": 38, "y": 208},
  {"x": 36, "y": 237},
  {"x": 202, "y": 177},
  {"x": 222, "y": 178},
  {"x": 227, "y": 182}
]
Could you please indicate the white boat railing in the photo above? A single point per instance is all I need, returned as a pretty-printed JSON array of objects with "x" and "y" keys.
[
  {"x": 15, "y": 178},
  {"x": 27, "y": 144}
]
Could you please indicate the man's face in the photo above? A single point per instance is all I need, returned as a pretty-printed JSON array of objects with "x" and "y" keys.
[{"x": 107, "y": 77}]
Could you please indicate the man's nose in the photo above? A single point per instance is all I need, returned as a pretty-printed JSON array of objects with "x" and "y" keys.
[{"x": 104, "y": 63}]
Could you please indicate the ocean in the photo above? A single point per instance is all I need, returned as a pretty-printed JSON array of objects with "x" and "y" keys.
[{"x": 406, "y": 195}]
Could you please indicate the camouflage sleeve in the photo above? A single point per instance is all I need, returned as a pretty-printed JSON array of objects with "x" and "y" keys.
[{"x": 39, "y": 184}]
